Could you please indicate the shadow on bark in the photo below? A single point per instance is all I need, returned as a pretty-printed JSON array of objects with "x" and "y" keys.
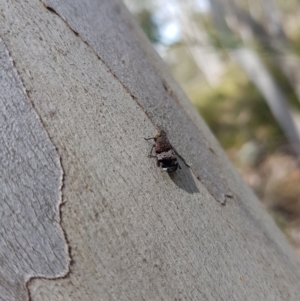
[{"x": 184, "y": 179}]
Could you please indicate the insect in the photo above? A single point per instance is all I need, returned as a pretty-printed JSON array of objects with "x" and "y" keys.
[{"x": 165, "y": 154}]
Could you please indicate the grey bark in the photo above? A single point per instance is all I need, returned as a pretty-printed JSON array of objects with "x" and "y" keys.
[
  {"x": 93, "y": 88},
  {"x": 31, "y": 243}
]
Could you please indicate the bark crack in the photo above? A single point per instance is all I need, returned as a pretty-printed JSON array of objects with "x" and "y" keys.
[{"x": 60, "y": 202}]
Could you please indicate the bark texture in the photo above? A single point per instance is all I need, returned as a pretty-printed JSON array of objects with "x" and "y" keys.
[
  {"x": 133, "y": 231},
  {"x": 31, "y": 241}
]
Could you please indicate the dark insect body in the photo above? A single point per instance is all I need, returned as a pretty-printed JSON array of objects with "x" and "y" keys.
[{"x": 165, "y": 154}]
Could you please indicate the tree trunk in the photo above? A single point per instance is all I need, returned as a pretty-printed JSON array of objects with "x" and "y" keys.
[{"x": 85, "y": 214}]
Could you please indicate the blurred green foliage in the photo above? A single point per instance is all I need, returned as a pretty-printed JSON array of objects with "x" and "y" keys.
[
  {"x": 236, "y": 104},
  {"x": 282, "y": 82},
  {"x": 149, "y": 25}
]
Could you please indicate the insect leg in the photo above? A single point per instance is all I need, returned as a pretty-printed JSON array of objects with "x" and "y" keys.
[
  {"x": 157, "y": 163},
  {"x": 150, "y": 154}
]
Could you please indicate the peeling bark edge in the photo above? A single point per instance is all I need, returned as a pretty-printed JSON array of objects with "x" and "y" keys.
[
  {"x": 68, "y": 249},
  {"x": 60, "y": 203}
]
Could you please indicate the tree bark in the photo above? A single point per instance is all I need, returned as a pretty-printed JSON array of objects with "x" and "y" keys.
[{"x": 85, "y": 214}]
